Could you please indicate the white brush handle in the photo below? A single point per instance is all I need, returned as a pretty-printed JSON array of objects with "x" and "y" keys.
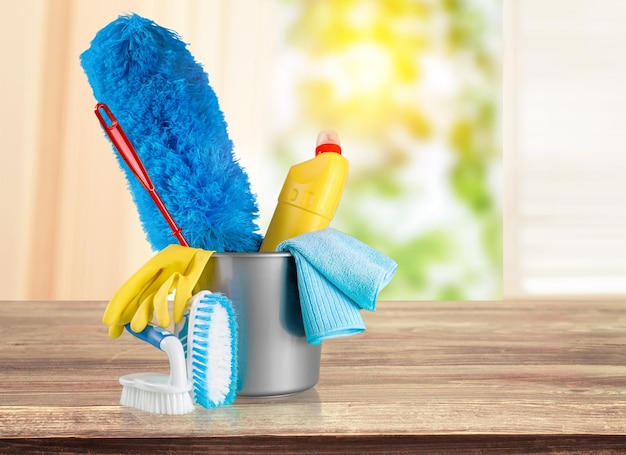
[
  {"x": 178, "y": 368},
  {"x": 168, "y": 343}
]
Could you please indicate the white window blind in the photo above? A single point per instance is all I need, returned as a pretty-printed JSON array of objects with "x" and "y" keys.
[{"x": 565, "y": 147}]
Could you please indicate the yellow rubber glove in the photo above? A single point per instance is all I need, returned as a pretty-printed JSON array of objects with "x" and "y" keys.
[{"x": 145, "y": 294}]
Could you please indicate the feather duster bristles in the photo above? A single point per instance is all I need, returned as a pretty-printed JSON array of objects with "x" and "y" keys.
[{"x": 162, "y": 98}]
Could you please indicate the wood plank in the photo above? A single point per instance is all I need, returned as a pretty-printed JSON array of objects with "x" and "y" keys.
[
  {"x": 254, "y": 445},
  {"x": 485, "y": 373}
]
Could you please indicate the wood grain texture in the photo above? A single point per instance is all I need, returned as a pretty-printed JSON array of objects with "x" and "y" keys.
[{"x": 499, "y": 377}]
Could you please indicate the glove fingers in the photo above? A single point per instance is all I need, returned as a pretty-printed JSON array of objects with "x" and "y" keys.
[
  {"x": 127, "y": 299},
  {"x": 131, "y": 308},
  {"x": 146, "y": 292},
  {"x": 112, "y": 312},
  {"x": 127, "y": 314},
  {"x": 188, "y": 281},
  {"x": 160, "y": 300},
  {"x": 173, "y": 256},
  {"x": 115, "y": 331},
  {"x": 143, "y": 315},
  {"x": 174, "y": 260}
]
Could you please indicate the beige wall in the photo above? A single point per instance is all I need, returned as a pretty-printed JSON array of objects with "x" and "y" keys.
[
  {"x": 69, "y": 227},
  {"x": 70, "y": 231},
  {"x": 564, "y": 150}
]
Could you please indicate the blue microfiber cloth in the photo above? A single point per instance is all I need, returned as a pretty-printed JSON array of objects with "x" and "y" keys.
[
  {"x": 162, "y": 99},
  {"x": 337, "y": 276}
]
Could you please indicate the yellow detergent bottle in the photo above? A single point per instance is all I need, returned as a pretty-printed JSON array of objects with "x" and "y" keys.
[{"x": 310, "y": 194}]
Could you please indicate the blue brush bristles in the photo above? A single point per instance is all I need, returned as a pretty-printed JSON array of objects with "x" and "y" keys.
[
  {"x": 215, "y": 339},
  {"x": 209, "y": 335},
  {"x": 162, "y": 98}
]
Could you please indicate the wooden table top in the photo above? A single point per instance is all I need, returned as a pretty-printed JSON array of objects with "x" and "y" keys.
[{"x": 496, "y": 377}]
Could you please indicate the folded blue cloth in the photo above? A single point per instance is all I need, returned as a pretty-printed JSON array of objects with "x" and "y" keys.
[{"x": 337, "y": 276}]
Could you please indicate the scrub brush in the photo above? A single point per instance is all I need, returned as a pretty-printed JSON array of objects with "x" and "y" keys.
[
  {"x": 147, "y": 76},
  {"x": 208, "y": 333},
  {"x": 159, "y": 393}
]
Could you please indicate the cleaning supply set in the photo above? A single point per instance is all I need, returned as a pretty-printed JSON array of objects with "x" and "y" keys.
[{"x": 250, "y": 312}]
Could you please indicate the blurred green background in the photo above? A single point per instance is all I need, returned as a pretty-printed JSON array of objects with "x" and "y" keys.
[{"x": 413, "y": 88}]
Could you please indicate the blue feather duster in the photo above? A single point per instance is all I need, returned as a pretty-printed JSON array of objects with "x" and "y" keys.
[{"x": 162, "y": 98}]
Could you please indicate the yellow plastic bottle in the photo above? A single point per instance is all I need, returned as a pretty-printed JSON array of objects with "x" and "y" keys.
[{"x": 310, "y": 194}]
